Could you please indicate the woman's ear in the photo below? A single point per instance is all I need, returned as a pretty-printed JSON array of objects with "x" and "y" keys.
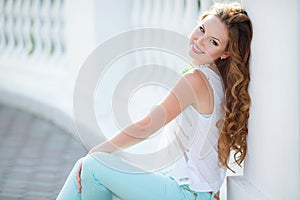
[{"x": 225, "y": 55}]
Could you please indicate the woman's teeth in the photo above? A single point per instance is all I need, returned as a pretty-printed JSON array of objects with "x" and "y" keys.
[{"x": 196, "y": 49}]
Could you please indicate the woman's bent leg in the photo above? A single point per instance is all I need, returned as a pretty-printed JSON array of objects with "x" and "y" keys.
[
  {"x": 124, "y": 183},
  {"x": 70, "y": 189},
  {"x": 91, "y": 188},
  {"x": 100, "y": 180}
]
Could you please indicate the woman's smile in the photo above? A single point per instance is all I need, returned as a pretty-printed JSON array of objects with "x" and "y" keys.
[{"x": 196, "y": 49}]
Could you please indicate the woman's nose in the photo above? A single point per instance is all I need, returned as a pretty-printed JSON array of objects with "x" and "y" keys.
[{"x": 200, "y": 41}]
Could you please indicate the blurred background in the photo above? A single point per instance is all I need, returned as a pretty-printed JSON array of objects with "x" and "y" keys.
[{"x": 44, "y": 43}]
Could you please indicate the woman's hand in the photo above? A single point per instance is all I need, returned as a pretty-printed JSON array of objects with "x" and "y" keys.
[{"x": 78, "y": 180}]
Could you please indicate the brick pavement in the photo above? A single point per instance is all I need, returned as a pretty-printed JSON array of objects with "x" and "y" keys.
[{"x": 35, "y": 156}]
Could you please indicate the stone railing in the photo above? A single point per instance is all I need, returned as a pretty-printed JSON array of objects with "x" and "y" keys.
[
  {"x": 33, "y": 57},
  {"x": 32, "y": 30}
]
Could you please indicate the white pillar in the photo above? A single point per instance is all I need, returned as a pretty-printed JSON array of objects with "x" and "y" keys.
[{"x": 272, "y": 165}]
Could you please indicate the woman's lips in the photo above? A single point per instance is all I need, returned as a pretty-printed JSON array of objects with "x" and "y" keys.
[{"x": 196, "y": 49}]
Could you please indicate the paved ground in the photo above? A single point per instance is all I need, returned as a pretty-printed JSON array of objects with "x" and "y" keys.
[{"x": 35, "y": 156}]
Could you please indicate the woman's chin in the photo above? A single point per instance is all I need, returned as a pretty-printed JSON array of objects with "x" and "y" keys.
[
  {"x": 196, "y": 58},
  {"x": 197, "y": 61}
]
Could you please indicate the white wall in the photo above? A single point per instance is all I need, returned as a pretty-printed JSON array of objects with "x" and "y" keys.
[{"x": 272, "y": 165}]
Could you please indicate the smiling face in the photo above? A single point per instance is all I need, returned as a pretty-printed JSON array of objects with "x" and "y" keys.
[{"x": 208, "y": 41}]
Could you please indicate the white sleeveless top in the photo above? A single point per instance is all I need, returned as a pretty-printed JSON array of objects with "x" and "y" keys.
[{"x": 197, "y": 137}]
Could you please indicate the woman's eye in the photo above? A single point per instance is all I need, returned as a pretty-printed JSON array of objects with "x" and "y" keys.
[
  {"x": 201, "y": 29},
  {"x": 214, "y": 42}
]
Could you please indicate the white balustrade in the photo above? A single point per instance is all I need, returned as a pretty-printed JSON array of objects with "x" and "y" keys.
[
  {"x": 177, "y": 15},
  {"x": 32, "y": 30},
  {"x": 191, "y": 16}
]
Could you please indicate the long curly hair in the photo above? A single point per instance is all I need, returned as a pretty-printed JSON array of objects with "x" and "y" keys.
[{"x": 236, "y": 77}]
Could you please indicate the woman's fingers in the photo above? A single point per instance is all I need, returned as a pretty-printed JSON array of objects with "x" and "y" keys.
[{"x": 78, "y": 177}]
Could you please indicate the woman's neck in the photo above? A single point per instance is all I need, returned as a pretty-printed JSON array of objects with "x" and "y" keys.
[{"x": 211, "y": 66}]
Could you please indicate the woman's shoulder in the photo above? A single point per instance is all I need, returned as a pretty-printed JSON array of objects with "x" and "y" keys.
[
  {"x": 195, "y": 78},
  {"x": 202, "y": 90}
]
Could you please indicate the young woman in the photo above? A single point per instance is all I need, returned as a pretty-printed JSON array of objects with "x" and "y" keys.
[{"x": 215, "y": 88}]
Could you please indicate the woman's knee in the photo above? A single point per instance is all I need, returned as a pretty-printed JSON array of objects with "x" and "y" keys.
[
  {"x": 92, "y": 169},
  {"x": 93, "y": 161},
  {"x": 80, "y": 160}
]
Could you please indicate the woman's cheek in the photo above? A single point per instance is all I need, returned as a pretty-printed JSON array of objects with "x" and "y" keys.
[
  {"x": 209, "y": 53},
  {"x": 213, "y": 53}
]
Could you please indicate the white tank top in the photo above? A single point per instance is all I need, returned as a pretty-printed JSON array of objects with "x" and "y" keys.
[{"x": 197, "y": 137}]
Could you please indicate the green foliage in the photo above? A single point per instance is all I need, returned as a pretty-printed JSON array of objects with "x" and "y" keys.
[
  {"x": 186, "y": 69},
  {"x": 32, "y": 40}
]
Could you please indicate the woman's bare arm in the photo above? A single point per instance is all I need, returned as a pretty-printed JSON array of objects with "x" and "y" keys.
[{"x": 181, "y": 96}]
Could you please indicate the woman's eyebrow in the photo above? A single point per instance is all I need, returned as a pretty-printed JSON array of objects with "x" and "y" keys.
[{"x": 212, "y": 36}]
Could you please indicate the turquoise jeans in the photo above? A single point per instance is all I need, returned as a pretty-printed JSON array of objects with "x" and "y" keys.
[{"x": 101, "y": 182}]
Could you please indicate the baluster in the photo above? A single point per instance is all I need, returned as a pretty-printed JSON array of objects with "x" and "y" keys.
[
  {"x": 156, "y": 56},
  {"x": 144, "y": 19},
  {"x": 136, "y": 13},
  {"x": 2, "y": 7},
  {"x": 176, "y": 25},
  {"x": 146, "y": 13},
  {"x": 148, "y": 8},
  {"x": 35, "y": 36},
  {"x": 26, "y": 29},
  {"x": 56, "y": 46},
  {"x": 2, "y": 25},
  {"x": 9, "y": 32},
  {"x": 18, "y": 28},
  {"x": 8, "y": 27},
  {"x": 27, "y": 38},
  {"x": 45, "y": 29},
  {"x": 36, "y": 30},
  {"x": 191, "y": 16},
  {"x": 57, "y": 29},
  {"x": 18, "y": 37},
  {"x": 155, "y": 17},
  {"x": 205, "y": 5},
  {"x": 62, "y": 28},
  {"x": 166, "y": 16},
  {"x": 177, "y": 17},
  {"x": 2, "y": 33},
  {"x": 137, "y": 10}
]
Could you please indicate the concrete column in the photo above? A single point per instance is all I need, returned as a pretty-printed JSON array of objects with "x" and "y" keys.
[{"x": 272, "y": 165}]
